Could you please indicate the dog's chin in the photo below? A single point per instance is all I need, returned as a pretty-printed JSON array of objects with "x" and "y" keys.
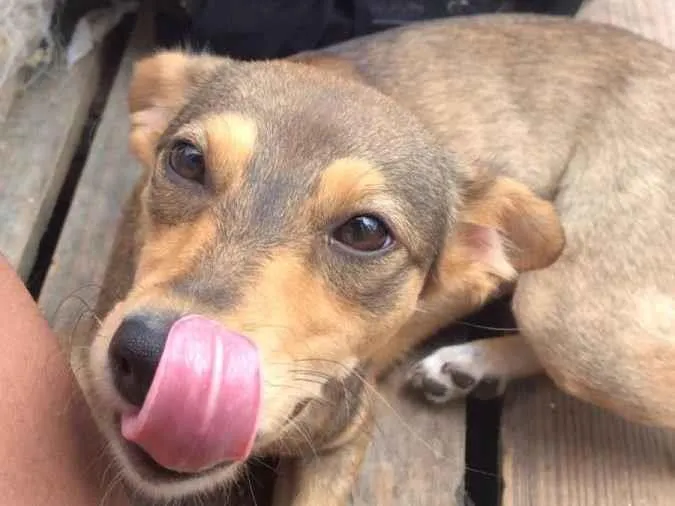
[{"x": 147, "y": 477}]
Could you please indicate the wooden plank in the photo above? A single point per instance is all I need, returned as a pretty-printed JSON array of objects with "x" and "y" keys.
[
  {"x": 80, "y": 260},
  {"x": 560, "y": 451},
  {"x": 654, "y": 19},
  {"x": 37, "y": 143},
  {"x": 417, "y": 455},
  {"x": 22, "y": 30},
  {"x": 7, "y": 93}
]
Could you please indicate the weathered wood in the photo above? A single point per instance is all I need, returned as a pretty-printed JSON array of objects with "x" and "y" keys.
[
  {"x": 22, "y": 29},
  {"x": 654, "y": 19},
  {"x": 85, "y": 245},
  {"x": 559, "y": 451},
  {"x": 417, "y": 455},
  {"x": 7, "y": 93},
  {"x": 37, "y": 143}
]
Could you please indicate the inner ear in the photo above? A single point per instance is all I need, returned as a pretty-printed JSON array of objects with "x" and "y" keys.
[
  {"x": 484, "y": 245},
  {"x": 503, "y": 229},
  {"x": 160, "y": 87},
  {"x": 508, "y": 222}
]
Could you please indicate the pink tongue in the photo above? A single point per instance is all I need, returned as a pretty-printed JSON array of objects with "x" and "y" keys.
[{"x": 202, "y": 407}]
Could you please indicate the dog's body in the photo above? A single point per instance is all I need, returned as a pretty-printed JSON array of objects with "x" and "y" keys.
[
  {"x": 583, "y": 115},
  {"x": 580, "y": 114}
]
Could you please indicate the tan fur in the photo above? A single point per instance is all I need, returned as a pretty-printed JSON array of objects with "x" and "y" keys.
[
  {"x": 230, "y": 141},
  {"x": 169, "y": 251},
  {"x": 509, "y": 207},
  {"x": 335, "y": 66},
  {"x": 599, "y": 124},
  {"x": 345, "y": 182},
  {"x": 547, "y": 144}
]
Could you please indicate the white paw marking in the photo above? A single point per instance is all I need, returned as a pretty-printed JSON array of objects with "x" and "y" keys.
[{"x": 453, "y": 372}]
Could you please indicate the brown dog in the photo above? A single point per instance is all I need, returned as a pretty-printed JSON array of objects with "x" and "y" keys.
[{"x": 302, "y": 224}]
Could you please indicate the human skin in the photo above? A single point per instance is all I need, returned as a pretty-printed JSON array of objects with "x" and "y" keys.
[{"x": 50, "y": 452}]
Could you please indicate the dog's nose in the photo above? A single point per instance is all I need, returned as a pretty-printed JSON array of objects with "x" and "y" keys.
[{"x": 134, "y": 354}]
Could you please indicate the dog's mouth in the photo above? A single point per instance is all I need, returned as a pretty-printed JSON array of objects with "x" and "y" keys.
[
  {"x": 203, "y": 403},
  {"x": 148, "y": 468},
  {"x": 312, "y": 418},
  {"x": 199, "y": 421},
  {"x": 151, "y": 471}
]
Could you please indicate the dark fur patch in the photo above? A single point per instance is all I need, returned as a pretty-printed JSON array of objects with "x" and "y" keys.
[
  {"x": 461, "y": 379},
  {"x": 346, "y": 398}
]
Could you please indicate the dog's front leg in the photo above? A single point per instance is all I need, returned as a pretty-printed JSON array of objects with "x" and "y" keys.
[
  {"x": 325, "y": 479},
  {"x": 481, "y": 368}
]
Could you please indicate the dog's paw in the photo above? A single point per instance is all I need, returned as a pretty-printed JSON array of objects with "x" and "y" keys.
[{"x": 453, "y": 372}]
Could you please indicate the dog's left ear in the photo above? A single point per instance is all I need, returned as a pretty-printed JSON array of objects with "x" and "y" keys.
[
  {"x": 503, "y": 219},
  {"x": 160, "y": 87},
  {"x": 503, "y": 229}
]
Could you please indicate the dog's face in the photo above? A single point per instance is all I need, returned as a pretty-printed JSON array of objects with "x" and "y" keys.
[{"x": 292, "y": 224}]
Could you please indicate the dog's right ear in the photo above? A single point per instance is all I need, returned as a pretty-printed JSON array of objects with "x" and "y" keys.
[{"x": 160, "y": 87}]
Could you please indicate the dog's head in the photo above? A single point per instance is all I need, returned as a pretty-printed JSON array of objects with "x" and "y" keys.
[{"x": 293, "y": 222}]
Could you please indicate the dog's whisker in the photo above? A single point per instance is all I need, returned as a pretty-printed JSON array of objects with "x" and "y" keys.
[
  {"x": 310, "y": 380},
  {"x": 305, "y": 436},
  {"x": 75, "y": 330},
  {"x": 88, "y": 309},
  {"x": 480, "y": 471},
  {"x": 310, "y": 394},
  {"x": 315, "y": 376},
  {"x": 249, "y": 328},
  {"x": 260, "y": 461},
  {"x": 487, "y": 327},
  {"x": 102, "y": 454},
  {"x": 72, "y": 295},
  {"x": 373, "y": 390},
  {"x": 296, "y": 448},
  {"x": 250, "y": 487},
  {"x": 115, "y": 482},
  {"x": 289, "y": 423},
  {"x": 286, "y": 447}
]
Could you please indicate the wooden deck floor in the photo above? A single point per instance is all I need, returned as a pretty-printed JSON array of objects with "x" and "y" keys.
[{"x": 555, "y": 451}]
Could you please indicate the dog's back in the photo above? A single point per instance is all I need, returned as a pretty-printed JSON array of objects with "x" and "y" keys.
[
  {"x": 583, "y": 114},
  {"x": 518, "y": 92}
]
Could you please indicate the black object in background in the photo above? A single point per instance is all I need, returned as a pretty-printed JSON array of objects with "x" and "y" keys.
[{"x": 260, "y": 29}]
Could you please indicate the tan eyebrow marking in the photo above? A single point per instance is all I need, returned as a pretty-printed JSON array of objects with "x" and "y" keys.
[
  {"x": 230, "y": 145},
  {"x": 345, "y": 182}
]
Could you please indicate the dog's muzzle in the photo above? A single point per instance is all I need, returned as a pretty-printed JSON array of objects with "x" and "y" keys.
[{"x": 196, "y": 387}]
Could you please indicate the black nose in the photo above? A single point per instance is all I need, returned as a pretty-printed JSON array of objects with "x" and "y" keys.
[{"x": 134, "y": 354}]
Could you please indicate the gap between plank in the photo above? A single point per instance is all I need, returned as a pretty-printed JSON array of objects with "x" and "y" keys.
[
  {"x": 111, "y": 56},
  {"x": 482, "y": 478}
]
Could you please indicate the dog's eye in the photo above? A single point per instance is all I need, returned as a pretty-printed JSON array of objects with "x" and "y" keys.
[
  {"x": 364, "y": 234},
  {"x": 187, "y": 161}
]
